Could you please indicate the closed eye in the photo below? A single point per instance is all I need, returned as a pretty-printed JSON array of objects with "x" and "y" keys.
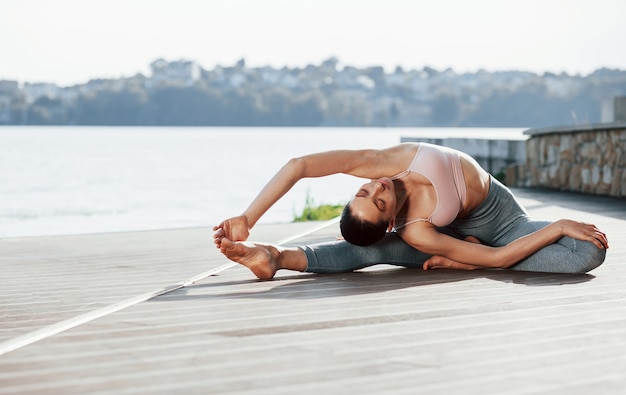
[{"x": 379, "y": 203}]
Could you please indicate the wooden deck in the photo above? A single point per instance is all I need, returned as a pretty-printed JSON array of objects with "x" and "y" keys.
[{"x": 164, "y": 312}]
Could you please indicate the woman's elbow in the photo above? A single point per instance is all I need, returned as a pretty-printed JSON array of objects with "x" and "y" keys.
[
  {"x": 296, "y": 167},
  {"x": 296, "y": 162}
]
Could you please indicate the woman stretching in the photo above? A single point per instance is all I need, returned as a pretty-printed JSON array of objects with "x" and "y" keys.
[{"x": 426, "y": 206}]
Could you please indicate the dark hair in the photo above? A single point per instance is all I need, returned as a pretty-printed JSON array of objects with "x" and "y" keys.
[{"x": 359, "y": 232}]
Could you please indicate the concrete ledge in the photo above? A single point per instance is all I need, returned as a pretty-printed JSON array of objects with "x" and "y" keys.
[{"x": 576, "y": 128}]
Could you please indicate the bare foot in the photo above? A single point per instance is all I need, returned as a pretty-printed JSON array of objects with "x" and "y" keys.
[
  {"x": 440, "y": 262},
  {"x": 261, "y": 259}
]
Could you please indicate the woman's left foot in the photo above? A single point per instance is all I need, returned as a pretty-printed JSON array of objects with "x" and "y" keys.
[{"x": 439, "y": 262}]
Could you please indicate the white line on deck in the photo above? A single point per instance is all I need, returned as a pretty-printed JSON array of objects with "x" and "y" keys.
[{"x": 61, "y": 326}]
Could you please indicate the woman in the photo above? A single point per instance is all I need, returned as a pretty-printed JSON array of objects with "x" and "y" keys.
[{"x": 426, "y": 206}]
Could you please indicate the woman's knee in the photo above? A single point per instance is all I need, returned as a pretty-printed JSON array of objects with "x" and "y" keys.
[
  {"x": 569, "y": 256},
  {"x": 595, "y": 258},
  {"x": 587, "y": 256}
]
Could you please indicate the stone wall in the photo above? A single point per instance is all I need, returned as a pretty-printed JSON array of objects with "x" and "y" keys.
[{"x": 589, "y": 159}]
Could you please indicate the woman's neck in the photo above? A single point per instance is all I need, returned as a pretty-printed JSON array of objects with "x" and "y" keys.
[{"x": 401, "y": 196}]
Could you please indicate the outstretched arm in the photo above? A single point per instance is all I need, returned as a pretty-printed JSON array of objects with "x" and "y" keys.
[
  {"x": 427, "y": 239},
  {"x": 360, "y": 163}
]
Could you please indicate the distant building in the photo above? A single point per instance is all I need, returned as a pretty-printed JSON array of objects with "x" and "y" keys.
[
  {"x": 34, "y": 91},
  {"x": 181, "y": 73},
  {"x": 5, "y": 109},
  {"x": 9, "y": 87},
  {"x": 607, "y": 113},
  {"x": 619, "y": 109},
  {"x": 8, "y": 91},
  {"x": 614, "y": 110}
]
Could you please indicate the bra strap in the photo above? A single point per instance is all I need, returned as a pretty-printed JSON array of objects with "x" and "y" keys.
[
  {"x": 401, "y": 174},
  {"x": 410, "y": 221}
]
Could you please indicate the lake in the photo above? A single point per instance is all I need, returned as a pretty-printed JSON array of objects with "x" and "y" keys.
[{"x": 74, "y": 179}]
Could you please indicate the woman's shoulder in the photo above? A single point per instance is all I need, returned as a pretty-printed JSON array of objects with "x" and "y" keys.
[
  {"x": 399, "y": 158},
  {"x": 403, "y": 149}
]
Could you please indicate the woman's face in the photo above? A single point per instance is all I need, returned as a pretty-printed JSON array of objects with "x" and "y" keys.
[{"x": 375, "y": 201}]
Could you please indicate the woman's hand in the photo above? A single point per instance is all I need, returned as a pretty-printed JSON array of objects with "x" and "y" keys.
[
  {"x": 235, "y": 229},
  {"x": 583, "y": 231}
]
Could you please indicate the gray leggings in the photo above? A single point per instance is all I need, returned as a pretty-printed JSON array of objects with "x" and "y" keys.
[{"x": 499, "y": 220}]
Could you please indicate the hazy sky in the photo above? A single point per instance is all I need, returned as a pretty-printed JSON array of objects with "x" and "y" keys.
[{"x": 72, "y": 41}]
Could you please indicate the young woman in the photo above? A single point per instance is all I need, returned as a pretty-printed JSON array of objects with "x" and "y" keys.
[{"x": 426, "y": 206}]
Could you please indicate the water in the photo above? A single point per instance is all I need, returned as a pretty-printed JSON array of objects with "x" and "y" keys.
[{"x": 72, "y": 180}]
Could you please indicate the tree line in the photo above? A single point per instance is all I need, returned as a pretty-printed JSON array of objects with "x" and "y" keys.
[{"x": 325, "y": 96}]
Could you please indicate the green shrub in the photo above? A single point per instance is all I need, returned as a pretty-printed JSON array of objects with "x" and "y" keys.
[{"x": 322, "y": 212}]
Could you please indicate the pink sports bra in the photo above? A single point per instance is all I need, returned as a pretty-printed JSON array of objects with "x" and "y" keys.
[{"x": 442, "y": 167}]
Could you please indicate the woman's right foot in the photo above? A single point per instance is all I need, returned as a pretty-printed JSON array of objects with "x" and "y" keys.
[{"x": 261, "y": 259}]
